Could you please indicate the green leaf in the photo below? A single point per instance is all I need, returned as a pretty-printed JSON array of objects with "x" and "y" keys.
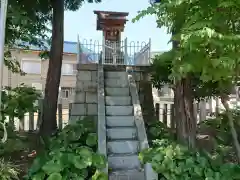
[
  {"x": 55, "y": 176},
  {"x": 198, "y": 170},
  {"x": 80, "y": 178},
  {"x": 209, "y": 173},
  {"x": 99, "y": 161},
  {"x": 99, "y": 176},
  {"x": 81, "y": 162},
  {"x": 37, "y": 164},
  {"x": 91, "y": 139},
  {"x": 84, "y": 151},
  {"x": 52, "y": 167},
  {"x": 39, "y": 176}
]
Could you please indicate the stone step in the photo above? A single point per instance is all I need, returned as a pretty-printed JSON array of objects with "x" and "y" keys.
[
  {"x": 124, "y": 162},
  {"x": 123, "y": 147},
  {"x": 123, "y": 133},
  {"x": 118, "y": 101},
  {"x": 116, "y": 75},
  {"x": 120, "y": 121},
  {"x": 127, "y": 175},
  {"x": 117, "y": 91},
  {"x": 116, "y": 83},
  {"x": 119, "y": 110}
]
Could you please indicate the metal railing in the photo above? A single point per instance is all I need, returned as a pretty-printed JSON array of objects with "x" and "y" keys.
[
  {"x": 119, "y": 53},
  {"x": 143, "y": 57},
  {"x": 114, "y": 52}
]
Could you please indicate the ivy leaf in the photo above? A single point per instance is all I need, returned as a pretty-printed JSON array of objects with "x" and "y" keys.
[{"x": 55, "y": 176}]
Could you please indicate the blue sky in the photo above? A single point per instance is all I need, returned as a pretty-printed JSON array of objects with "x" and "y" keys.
[{"x": 83, "y": 22}]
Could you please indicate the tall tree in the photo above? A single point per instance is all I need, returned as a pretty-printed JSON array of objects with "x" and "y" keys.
[
  {"x": 49, "y": 123},
  {"x": 208, "y": 39},
  {"x": 24, "y": 27}
]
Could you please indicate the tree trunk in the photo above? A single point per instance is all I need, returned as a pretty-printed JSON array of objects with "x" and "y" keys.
[
  {"x": 184, "y": 109},
  {"x": 224, "y": 100},
  {"x": 49, "y": 123},
  {"x": 186, "y": 122}
]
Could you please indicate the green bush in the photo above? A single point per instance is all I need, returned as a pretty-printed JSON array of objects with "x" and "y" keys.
[
  {"x": 16, "y": 102},
  {"x": 219, "y": 127},
  {"x": 8, "y": 171},
  {"x": 71, "y": 154},
  {"x": 158, "y": 130},
  {"x": 175, "y": 162}
]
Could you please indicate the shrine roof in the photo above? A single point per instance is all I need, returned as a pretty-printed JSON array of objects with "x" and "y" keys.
[
  {"x": 112, "y": 13},
  {"x": 110, "y": 19}
]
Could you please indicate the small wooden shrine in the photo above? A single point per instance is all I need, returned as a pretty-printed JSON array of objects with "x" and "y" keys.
[{"x": 112, "y": 24}]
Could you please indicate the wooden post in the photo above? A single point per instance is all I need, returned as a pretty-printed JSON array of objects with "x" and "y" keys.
[
  {"x": 21, "y": 124},
  {"x": 12, "y": 121},
  {"x": 69, "y": 111},
  {"x": 217, "y": 107},
  {"x": 210, "y": 106},
  {"x": 165, "y": 113},
  {"x": 172, "y": 117},
  {"x": 195, "y": 111},
  {"x": 203, "y": 113},
  {"x": 39, "y": 118},
  {"x": 60, "y": 119},
  {"x": 157, "y": 107},
  {"x": 31, "y": 121}
]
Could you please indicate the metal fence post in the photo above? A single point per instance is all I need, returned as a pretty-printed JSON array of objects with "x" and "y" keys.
[
  {"x": 79, "y": 50},
  {"x": 149, "y": 59},
  {"x": 103, "y": 49},
  {"x": 125, "y": 52},
  {"x": 3, "y": 17}
]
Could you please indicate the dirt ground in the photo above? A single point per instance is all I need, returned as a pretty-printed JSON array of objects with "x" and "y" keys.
[{"x": 23, "y": 159}]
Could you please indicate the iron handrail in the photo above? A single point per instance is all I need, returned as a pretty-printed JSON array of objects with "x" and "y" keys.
[{"x": 115, "y": 50}]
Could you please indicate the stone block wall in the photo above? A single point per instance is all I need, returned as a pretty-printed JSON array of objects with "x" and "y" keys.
[{"x": 85, "y": 101}]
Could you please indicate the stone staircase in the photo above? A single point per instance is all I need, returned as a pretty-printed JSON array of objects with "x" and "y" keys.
[{"x": 121, "y": 131}]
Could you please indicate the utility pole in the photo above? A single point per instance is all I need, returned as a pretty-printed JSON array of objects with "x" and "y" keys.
[{"x": 3, "y": 17}]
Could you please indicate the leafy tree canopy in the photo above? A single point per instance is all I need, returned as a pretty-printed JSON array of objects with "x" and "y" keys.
[
  {"x": 208, "y": 38},
  {"x": 28, "y": 24}
]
